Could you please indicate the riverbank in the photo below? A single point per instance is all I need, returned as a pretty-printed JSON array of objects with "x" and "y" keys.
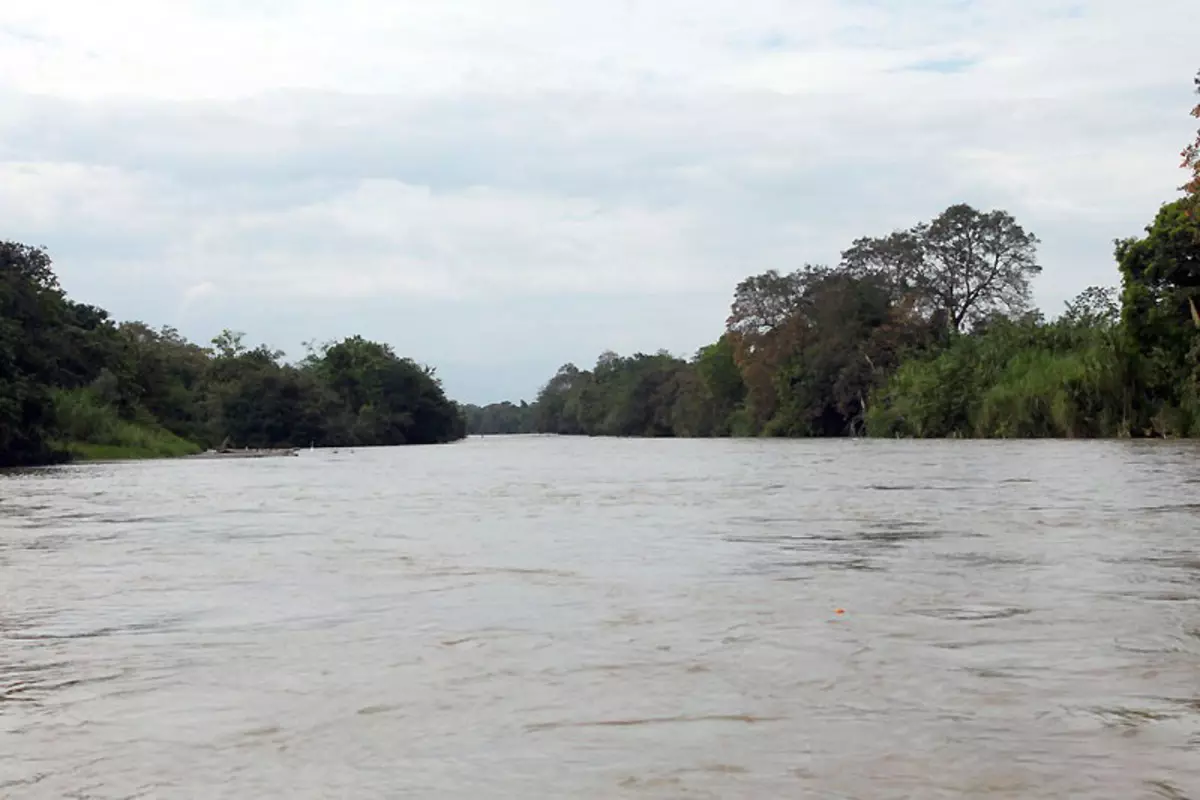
[
  {"x": 83, "y": 452},
  {"x": 92, "y": 430},
  {"x": 143, "y": 444}
]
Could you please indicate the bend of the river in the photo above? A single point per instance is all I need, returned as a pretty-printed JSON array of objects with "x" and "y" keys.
[{"x": 534, "y": 617}]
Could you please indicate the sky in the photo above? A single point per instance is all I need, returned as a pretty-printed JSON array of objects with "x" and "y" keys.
[{"x": 498, "y": 188}]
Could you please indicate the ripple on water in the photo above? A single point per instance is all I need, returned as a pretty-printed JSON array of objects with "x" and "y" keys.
[
  {"x": 31, "y": 633},
  {"x": 993, "y": 559},
  {"x": 973, "y": 613},
  {"x": 573, "y": 618},
  {"x": 745, "y": 719},
  {"x": 1171, "y": 508}
]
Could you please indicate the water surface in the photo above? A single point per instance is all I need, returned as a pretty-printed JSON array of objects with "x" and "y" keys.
[{"x": 542, "y": 617}]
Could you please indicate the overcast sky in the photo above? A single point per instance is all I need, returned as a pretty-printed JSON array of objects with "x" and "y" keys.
[{"x": 497, "y": 187}]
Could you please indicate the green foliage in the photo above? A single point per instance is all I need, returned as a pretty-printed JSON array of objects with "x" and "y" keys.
[
  {"x": 1022, "y": 378},
  {"x": 1161, "y": 274},
  {"x": 91, "y": 428},
  {"x": 720, "y": 396},
  {"x": 924, "y": 333},
  {"x": 643, "y": 395},
  {"x": 73, "y": 383},
  {"x": 1103, "y": 369},
  {"x": 500, "y": 418},
  {"x": 32, "y": 308},
  {"x": 801, "y": 355},
  {"x": 848, "y": 334},
  {"x": 1017, "y": 379},
  {"x": 380, "y": 398},
  {"x": 962, "y": 267}
]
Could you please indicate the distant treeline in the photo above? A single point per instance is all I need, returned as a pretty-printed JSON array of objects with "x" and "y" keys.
[
  {"x": 925, "y": 332},
  {"x": 74, "y": 383},
  {"x": 498, "y": 418}
]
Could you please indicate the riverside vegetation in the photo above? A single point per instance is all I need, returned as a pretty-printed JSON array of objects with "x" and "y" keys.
[
  {"x": 925, "y": 332},
  {"x": 73, "y": 383}
]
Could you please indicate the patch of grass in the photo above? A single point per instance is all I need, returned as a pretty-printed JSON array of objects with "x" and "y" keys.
[
  {"x": 93, "y": 431},
  {"x": 86, "y": 451}
]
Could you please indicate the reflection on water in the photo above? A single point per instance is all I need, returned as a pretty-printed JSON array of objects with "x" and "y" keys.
[{"x": 540, "y": 617}]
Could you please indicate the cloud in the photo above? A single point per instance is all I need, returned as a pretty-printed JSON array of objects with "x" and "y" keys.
[
  {"x": 452, "y": 177},
  {"x": 195, "y": 294}
]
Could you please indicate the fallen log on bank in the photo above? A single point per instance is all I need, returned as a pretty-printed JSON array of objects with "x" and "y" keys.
[{"x": 273, "y": 452}]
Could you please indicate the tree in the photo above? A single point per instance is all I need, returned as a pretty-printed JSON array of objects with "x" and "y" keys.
[
  {"x": 553, "y": 414},
  {"x": 1095, "y": 306},
  {"x": 229, "y": 344},
  {"x": 1164, "y": 266},
  {"x": 961, "y": 268},
  {"x": 500, "y": 418},
  {"x": 762, "y": 326},
  {"x": 1161, "y": 273},
  {"x": 1191, "y": 154},
  {"x": 851, "y": 336},
  {"x": 166, "y": 375},
  {"x": 386, "y": 399},
  {"x": 32, "y": 310},
  {"x": 764, "y": 303},
  {"x": 74, "y": 383},
  {"x": 717, "y": 370}
]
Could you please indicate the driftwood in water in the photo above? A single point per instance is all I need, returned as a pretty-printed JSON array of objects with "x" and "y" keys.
[{"x": 272, "y": 452}]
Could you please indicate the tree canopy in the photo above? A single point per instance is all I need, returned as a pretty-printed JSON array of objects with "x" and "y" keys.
[
  {"x": 965, "y": 265},
  {"x": 74, "y": 382},
  {"x": 1191, "y": 154},
  {"x": 926, "y": 331}
]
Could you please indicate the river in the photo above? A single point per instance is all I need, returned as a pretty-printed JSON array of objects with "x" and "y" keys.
[{"x": 549, "y": 617}]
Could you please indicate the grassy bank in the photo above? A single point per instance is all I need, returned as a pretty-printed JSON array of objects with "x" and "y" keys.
[
  {"x": 87, "y": 451},
  {"x": 95, "y": 431}
]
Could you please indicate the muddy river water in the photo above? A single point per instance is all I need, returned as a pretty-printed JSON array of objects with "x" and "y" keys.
[{"x": 544, "y": 617}]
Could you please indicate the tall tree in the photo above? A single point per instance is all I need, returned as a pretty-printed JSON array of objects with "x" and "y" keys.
[
  {"x": 1191, "y": 153},
  {"x": 764, "y": 303},
  {"x": 1161, "y": 274},
  {"x": 165, "y": 374},
  {"x": 32, "y": 308},
  {"x": 851, "y": 334},
  {"x": 762, "y": 327},
  {"x": 717, "y": 370},
  {"x": 555, "y": 411},
  {"x": 387, "y": 399},
  {"x": 964, "y": 266}
]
